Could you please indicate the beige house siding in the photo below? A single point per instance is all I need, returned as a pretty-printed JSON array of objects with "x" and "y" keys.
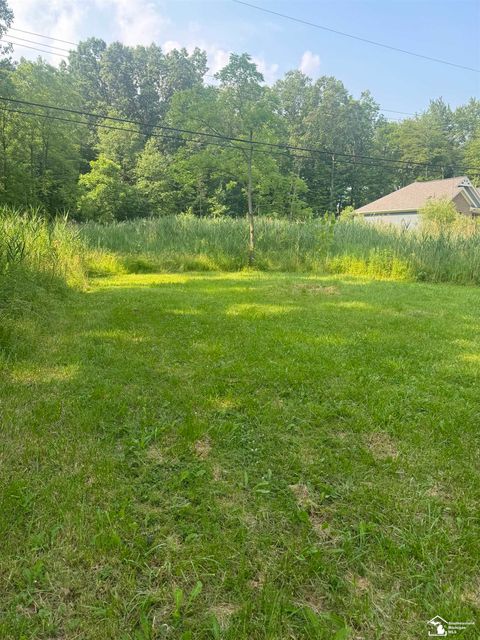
[
  {"x": 461, "y": 204},
  {"x": 408, "y": 220}
]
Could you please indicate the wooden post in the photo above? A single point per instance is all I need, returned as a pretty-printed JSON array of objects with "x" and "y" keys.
[
  {"x": 332, "y": 184},
  {"x": 293, "y": 191},
  {"x": 251, "y": 228}
]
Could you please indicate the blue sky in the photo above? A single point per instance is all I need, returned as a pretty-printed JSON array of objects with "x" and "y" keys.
[{"x": 447, "y": 29}]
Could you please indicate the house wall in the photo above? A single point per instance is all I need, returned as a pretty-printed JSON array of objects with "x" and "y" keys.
[
  {"x": 461, "y": 204},
  {"x": 404, "y": 220}
]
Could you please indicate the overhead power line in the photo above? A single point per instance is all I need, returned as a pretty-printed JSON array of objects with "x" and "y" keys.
[
  {"x": 180, "y": 138},
  {"x": 155, "y": 135},
  {"x": 49, "y": 116},
  {"x": 217, "y": 136},
  {"x": 26, "y": 46},
  {"x": 355, "y": 37},
  {"x": 256, "y": 143},
  {"x": 203, "y": 143},
  {"x": 42, "y": 44},
  {"x": 41, "y": 35}
]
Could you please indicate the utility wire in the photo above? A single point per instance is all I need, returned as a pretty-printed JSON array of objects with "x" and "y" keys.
[
  {"x": 243, "y": 141},
  {"x": 42, "y": 44},
  {"x": 155, "y": 135},
  {"x": 205, "y": 143},
  {"x": 105, "y": 126},
  {"x": 114, "y": 128},
  {"x": 26, "y": 46},
  {"x": 349, "y": 159},
  {"x": 40, "y": 35},
  {"x": 355, "y": 37}
]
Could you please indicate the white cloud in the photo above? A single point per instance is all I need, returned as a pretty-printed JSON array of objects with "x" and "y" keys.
[
  {"x": 170, "y": 45},
  {"x": 137, "y": 22},
  {"x": 58, "y": 19},
  {"x": 217, "y": 57},
  {"x": 310, "y": 63},
  {"x": 269, "y": 71}
]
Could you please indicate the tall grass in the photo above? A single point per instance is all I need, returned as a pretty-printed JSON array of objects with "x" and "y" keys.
[
  {"x": 421, "y": 255},
  {"x": 190, "y": 243},
  {"x": 186, "y": 242},
  {"x": 36, "y": 258}
]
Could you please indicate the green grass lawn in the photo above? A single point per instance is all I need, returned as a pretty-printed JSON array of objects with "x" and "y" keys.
[{"x": 243, "y": 456}]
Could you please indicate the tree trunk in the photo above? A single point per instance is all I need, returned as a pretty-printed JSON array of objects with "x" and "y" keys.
[{"x": 251, "y": 242}]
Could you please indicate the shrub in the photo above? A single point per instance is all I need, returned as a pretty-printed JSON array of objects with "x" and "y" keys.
[
  {"x": 438, "y": 216},
  {"x": 348, "y": 213}
]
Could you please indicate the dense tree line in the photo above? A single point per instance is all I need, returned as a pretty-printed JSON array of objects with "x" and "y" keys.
[{"x": 112, "y": 169}]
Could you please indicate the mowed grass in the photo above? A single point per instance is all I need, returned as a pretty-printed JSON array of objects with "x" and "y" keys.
[{"x": 243, "y": 456}]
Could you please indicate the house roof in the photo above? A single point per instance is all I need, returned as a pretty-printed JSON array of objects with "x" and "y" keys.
[{"x": 414, "y": 196}]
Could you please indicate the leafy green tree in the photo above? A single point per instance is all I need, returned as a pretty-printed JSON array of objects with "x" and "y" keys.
[
  {"x": 294, "y": 97},
  {"x": 104, "y": 196},
  {"x": 182, "y": 71},
  {"x": 85, "y": 65},
  {"x": 121, "y": 143},
  {"x": 466, "y": 121},
  {"x": 428, "y": 139},
  {"x": 41, "y": 155},
  {"x": 159, "y": 181},
  {"x": 471, "y": 157}
]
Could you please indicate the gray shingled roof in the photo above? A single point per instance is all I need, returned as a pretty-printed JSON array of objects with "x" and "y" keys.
[{"x": 414, "y": 196}]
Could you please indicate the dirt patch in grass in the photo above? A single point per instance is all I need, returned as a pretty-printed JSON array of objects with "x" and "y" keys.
[
  {"x": 439, "y": 492},
  {"x": 302, "y": 495},
  {"x": 217, "y": 472},
  {"x": 472, "y": 595},
  {"x": 318, "y": 519},
  {"x": 250, "y": 520},
  {"x": 155, "y": 454},
  {"x": 322, "y": 528},
  {"x": 203, "y": 447},
  {"x": 317, "y": 289},
  {"x": 223, "y": 612},
  {"x": 313, "y": 601},
  {"x": 361, "y": 585},
  {"x": 382, "y": 446},
  {"x": 257, "y": 582}
]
